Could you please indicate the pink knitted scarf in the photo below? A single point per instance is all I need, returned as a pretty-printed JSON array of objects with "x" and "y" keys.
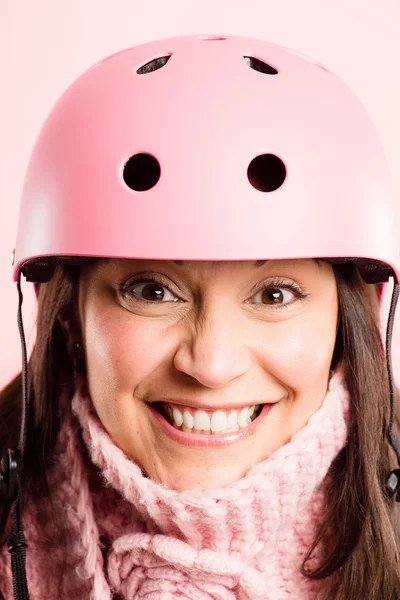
[{"x": 130, "y": 537}]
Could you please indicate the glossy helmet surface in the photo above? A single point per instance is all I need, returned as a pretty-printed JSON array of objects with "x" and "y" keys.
[{"x": 207, "y": 148}]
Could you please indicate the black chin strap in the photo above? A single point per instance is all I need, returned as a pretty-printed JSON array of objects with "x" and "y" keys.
[
  {"x": 393, "y": 481},
  {"x": 10, "y": 484}
]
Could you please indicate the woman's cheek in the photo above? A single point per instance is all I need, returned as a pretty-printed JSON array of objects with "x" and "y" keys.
[
  {"x": 128, "y": 349},
  {"x": 300, "y": 354}
]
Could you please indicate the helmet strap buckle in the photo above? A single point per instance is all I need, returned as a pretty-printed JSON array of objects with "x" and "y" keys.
[
  {"x": 8, "y": 476},
  {"x": 393, "y": 484}
]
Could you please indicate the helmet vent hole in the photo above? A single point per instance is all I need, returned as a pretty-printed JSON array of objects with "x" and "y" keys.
[
  {"x": 259, "y": 65},
  {"x": 153, "y": 65},
  {"x": 266, "y": 172},
  {"x": 141, "y": 172}
]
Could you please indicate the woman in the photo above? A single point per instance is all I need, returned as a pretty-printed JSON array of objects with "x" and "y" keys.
[{"x": 208, "y": 412}]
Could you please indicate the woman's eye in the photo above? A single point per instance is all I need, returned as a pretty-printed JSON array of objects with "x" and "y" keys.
[
  {"x": 275, "y": 296},
  {"x": 152, "y": 291},
  {"x": 149, "y": 291}
]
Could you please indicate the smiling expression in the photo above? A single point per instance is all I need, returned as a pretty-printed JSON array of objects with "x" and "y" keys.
[{"x": 211, "y": 336}]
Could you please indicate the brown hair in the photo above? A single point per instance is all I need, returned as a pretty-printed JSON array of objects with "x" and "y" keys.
[{"x": 362, "y": 561}]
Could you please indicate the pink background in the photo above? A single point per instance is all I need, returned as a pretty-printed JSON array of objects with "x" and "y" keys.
[{"x": 45, "y": 45}]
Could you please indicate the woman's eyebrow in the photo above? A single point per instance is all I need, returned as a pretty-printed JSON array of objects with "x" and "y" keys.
[{"x": 257, "y": 263}]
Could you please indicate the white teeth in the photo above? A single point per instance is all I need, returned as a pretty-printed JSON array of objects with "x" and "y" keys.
[
  {"x": 232, "y": 419},
  {"x": 206, "y": 422},
  {"x": 219, "y": 421},
  {"x": 243, "y": 417},
  {"x": 177, "y": 416},
  {"x": 188, "y": 420},
  {"x": 201, "y": 420}
]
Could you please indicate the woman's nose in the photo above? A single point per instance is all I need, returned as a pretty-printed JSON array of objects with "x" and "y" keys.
[{"x": 215, "y": 353}]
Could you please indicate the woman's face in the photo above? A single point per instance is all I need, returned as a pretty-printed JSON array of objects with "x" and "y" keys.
[{"x": 200, "y": 341}]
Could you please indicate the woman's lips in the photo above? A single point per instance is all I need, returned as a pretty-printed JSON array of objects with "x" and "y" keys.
[{"x": 208, "y": 440}]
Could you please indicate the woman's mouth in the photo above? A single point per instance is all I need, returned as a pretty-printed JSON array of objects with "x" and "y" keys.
[
  {"x": 208, "y": 422},
  {"x": 198, "y": 427}
]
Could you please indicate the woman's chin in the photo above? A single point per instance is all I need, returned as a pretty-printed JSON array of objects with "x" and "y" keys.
[{"x": 195, "y": 478}]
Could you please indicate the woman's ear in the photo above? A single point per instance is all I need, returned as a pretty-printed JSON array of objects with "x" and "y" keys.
[
  {"x": 72, "y": 334},
  {"x": 70, "y": 329}
]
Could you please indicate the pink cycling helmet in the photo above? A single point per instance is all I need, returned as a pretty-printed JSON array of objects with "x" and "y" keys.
[{"x": 208, "y": 148}]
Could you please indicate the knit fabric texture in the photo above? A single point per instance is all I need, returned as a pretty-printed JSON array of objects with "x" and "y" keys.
[{"x": 129, "y": 537}]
